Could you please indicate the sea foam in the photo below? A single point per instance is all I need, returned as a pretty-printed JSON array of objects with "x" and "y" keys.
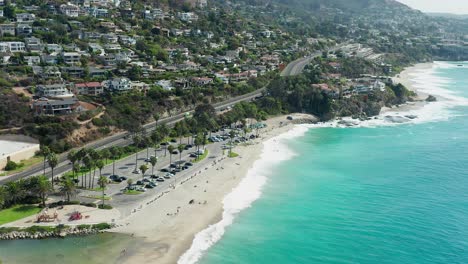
[
  {"x": 275, "y": 150},
  {"x": 249, "y": 189}
]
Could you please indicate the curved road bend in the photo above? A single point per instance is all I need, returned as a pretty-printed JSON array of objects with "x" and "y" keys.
[
  {"x": 296, "y": 67},
  {"x": 120, "y": 139}
]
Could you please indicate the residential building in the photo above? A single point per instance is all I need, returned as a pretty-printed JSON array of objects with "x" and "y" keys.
[
  {"x": 8, "y": 29},
  {"x": 201, "y": 81},
  {"x": 187, "y": 16},
  {"x": 12, "y": 46},
  {"x": 59, "y": 90},
  {"x": 70, "y": 10},
  {"x": 45, "y": 106},
  {"x": 140, "y": 86},
  {"x": 32, "y": 60},
  {"x": 89, "y": 88},
  {"x": 25, "y": 18},
  {"x": 24, "y": 29},
  {"x": 34, "y": 44},
  {"x": 118, "y": 85},
  {"x": 74, "y": 72},
  {"x": 54, "y": 48},
  {"x": 71, "y": 58}
]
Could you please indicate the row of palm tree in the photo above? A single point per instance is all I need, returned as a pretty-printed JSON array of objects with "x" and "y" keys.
[{"x": 87, "y": 161}]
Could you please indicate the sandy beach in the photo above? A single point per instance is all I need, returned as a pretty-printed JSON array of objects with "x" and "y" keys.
[
  {"x": 405, "y": 77},
  {"x": 167, "y": 227}
]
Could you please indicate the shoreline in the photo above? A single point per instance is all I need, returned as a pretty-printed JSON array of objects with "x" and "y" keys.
[{"x": 168, "y": 228}]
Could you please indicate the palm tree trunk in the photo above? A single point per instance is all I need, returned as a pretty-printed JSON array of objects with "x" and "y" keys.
[
  {"x": 113, "y": 167},
  {"x": 92, "y": 182},
  {"x": 102, "y": 198},
  {"x": 52, "y": 176},
  {"x": 152, "y": 170}
]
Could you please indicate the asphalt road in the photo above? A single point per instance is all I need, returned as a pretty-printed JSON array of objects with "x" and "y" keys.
[
  {"x": 296, "y": 67},
  {"x": 120, "y": 139}
]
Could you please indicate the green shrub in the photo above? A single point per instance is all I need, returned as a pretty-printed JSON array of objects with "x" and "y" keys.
[
  {"x": 4, "y": 230},
  {"x": 11, "y": 165},
  {"x": 38, "y": 229},
  {"x": 102, "y": 226},
  {"x": 105, "y": 206},
  {"x": 81, "y": 227},
  {"x": 89, "y": 205}
]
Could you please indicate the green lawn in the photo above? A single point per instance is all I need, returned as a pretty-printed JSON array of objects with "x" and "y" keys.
[
  {"x": 17, "y": 212},
  {"x": 201, "y": 157},
  {"x": 233, "y": 155}
]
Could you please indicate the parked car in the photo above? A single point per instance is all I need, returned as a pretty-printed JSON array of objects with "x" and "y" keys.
[
  {"x": 136, "y": 171},
  {"x": 165, "y": 170},
  {"x": 149, "y": 186},
  {"x": 188, "y": 164},
  {"x": 160, "y": 179}
]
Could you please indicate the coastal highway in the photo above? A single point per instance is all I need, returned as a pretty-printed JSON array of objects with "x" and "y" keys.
[
  {"x": 121, "y": 139},
  {"x": 296, "y": 67}
]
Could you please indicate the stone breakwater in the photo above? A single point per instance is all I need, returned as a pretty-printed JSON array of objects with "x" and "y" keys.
[{"x": 53, "y": 232}]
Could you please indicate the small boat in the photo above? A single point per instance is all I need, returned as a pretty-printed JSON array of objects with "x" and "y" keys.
[{"x": 460, "y": 65}]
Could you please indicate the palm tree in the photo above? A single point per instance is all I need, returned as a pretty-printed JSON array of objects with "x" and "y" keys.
[
  {"x": 76, "y": 169},
  {"x": 68, "y": 189},
  {"x": 198, "y": 141},
  {"x": 102, "y": 181},
  {"x": 156, "y": 118},
  {"x": 88, "y": 164},
  {"x": 148, "y": 142},
  {"x": 180, "y": 148},
  {"x": 143, "y": 169},
  {"x": 153, "y": 161},
  {"x": 170, "y": 148},
  {"x": 232, "y": 135},
  {"x": 14, "y": 191},
  {"x": 72, "y": 157},
  {"x": 43, "y": 188},
  {"x": 45, "y": 151},
  {"x": 100, "y": 165},
  {"x": 95, "y": 156},
  {"x": 105, "y": 154},
  {"x": 53, "y": 162},
  {"x": 115, "y": 153}
]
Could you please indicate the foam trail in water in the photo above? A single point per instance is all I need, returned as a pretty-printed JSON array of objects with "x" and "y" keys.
[
  {"x": 274, "y": 150},
  {"x": 248, "y": 190}
]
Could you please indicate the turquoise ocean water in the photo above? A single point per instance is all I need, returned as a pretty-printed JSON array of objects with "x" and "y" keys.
[{"x": 381, "y": 193}]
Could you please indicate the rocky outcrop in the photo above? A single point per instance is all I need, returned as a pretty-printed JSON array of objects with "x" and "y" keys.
[
  {"x": 303, "y": 119},
  {"x": 55, "y": 232},
  {"x": 431, "y": 98}
]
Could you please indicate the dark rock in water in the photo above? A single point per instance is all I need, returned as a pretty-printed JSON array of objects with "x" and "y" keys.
[
  {"x": 411, "y": 116},
  {"x": 348, "y": 123},
  {"x": 396, "y": 119},
  {"x": 431, "y": 98}
]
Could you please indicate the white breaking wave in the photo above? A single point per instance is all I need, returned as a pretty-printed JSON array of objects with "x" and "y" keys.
[
  {"x": 242, "y": 197},
  {"x": 274, "y": 150}
]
